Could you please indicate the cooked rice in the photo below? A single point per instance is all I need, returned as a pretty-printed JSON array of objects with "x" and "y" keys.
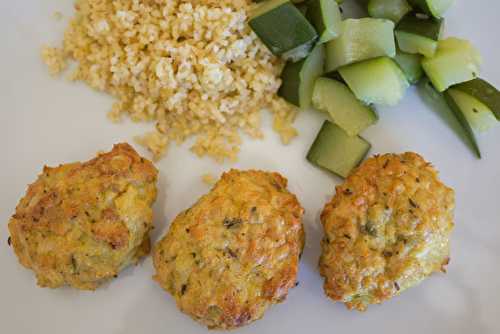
[{"x": 193, "y": 66}]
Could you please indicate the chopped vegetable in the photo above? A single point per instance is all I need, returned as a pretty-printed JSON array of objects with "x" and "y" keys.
[
  {"x": 378, "y": 81},
  {"x": 419, "y": 35},
  {"x": 283, "y": 29},
  {"x": 392, "y": 10},
  {"x": 411, "y": 65},
  {"x": 483, "y": 92},
  {"x": 440, "y": 106},
  {"x": 455, "y": 61},
  {"x": 326, "y": 18},
  {"x": 478, "y": 115},
  {"x": 336, "y": 151},
  {"x": 462, "y": 119},
  {"x": 298, "y": 78},
  {"x": 434, "y": 8},
  {"x": 360, "y": 39},
  {"x": 344, "y": 109}
]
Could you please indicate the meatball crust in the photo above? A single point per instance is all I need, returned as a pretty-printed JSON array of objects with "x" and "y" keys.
[
  {"x": 235, "y": 252},
  {"x": 386, "y": 229},
  {"x": 79, "y": 224}
]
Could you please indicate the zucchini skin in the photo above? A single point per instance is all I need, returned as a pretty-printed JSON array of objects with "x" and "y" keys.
[
  {"x": 280, "y": 38},
  {"x": 484, "y": 92},
  {"x": 463, "y": 122},
  {"x": 431, "y": 28}
]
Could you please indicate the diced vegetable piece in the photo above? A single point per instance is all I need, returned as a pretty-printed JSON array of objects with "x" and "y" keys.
[
  {"x": 455, "y": 61},
  {"x": 298, "y": 78},
  {"x": 462, "y": 119},
  {"x": 326, "y": 18},
  {"x": 360, "y": 39},
  {"x": 336, "y": 151},
  {"x": 478, "y": 115},
  {"x": 435, "y": 8},
  {"x": 392, "y": 10},
  {"x": 442, "y": 108},
  {"x": 283, "y": 29},
  {"x": 419, "y": 35},
  {"x": 344, "y": 109},
  {"x": 378, "y": 81},
  {"x": 484, "y": 92},
  {"x": 411, "y": 66}
]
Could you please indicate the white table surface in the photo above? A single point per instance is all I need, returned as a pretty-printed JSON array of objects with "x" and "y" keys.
[{"x": 50, "y": 121}]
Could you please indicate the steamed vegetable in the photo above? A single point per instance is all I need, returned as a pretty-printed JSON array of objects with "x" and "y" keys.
[
  {"x": 434, "y": 8},
  {"x": 419, "y": 35},
  {"x": 360, "y": 39},
  {"x": 478, "y": 115},
  {"x": 455, "y": 61},
  {"x": 283, "y": 29},
  {"x": 378, "y": 81},
  {"x": 456, "y": 108},
  {"x": 344, "y": 109},
  {"x": 326, "y": 18},
  {"x": 336, "y": 151},
  {"x": 483, "y": 92},
  {"x": 392, "y": 10},
  {"x": 411, "y": 66},
  {"x": 298, "y": 78}
]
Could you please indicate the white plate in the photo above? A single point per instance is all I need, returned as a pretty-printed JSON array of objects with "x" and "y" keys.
[{"x": 48, "y": 121}]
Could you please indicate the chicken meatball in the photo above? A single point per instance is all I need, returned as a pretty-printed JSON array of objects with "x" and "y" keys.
[
  {"x": 235, "y": 252},
  {"x": 79, "y": 224},
  {"x": 386, "y": 229}
]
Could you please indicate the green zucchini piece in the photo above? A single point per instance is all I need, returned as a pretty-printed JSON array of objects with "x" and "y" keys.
[
  {"x": 455, "y": 61},
  {"x": 378, "y": 81},
  {"x": 462, "y": 119},
  {"x": 283, "y": 29},
  {"x": 484, "y": 92},
  {"x": 440, "y": 106},
  {"x": 344, "y": 109},
  {"x": 419, "y": 35},
  {"x": 478, "y": 115},
  {"x": 434, "y": 8},
  {"x": 392, "y": 10},
  {"x": 411, "y": 66},
  {"x": 360, "y": 39},
  {"x": 298, "y": 78},
  {"x": 326, "y": 18},
  {"x": 336, "y": 151}
]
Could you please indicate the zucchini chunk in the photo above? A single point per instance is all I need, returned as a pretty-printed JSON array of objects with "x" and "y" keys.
[
  {"x": 298, "y": 78},
  {"x": 484, "y": 92},
  {"x": 419, "y": 35},
  {"x": 344, "y": 109},
  {"x": 360, "y": 39},
  {"x": 392, "y": 10},
  {"x": 378, "y": 81},
  {"x": 283, "y": 29},
  {"x": 462, "y": 119},
  {"x": 326, "y": 18},
  {"x": 477, "y": 114},
  {"x": 434, "y": 8},
  {"x": 411, "y": 66},
  {"x": 336, "y": 151},
  {"x": 455, "y": 61}
]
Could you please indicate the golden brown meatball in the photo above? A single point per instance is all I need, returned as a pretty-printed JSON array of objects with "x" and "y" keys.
[
  {"x": 81, "y": 223},
  {"x": 235, "y": 252},
  {"x": 386, "y": 229}
]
